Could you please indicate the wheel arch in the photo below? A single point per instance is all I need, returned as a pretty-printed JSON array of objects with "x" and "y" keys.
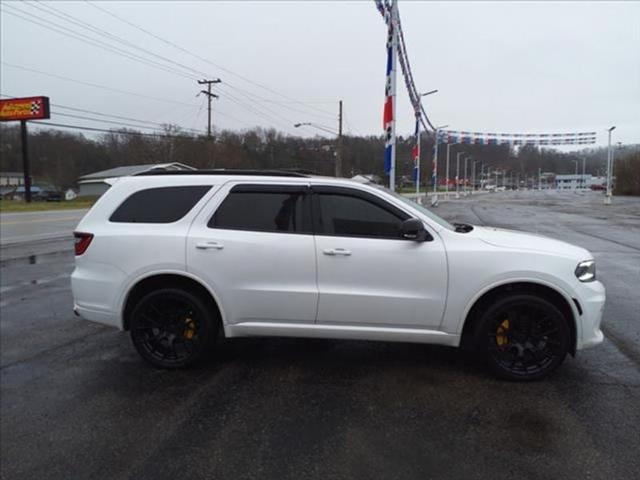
[
  {"x": 564, "y": 303},
  {"x": 157, "y": 280}
]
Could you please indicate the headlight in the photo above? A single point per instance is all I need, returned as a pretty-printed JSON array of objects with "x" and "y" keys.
[{"x": 586, "y": 271}]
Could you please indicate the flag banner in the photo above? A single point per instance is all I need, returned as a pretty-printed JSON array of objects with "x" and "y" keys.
[
  {"x": 389, "y": 93},
  {"x": 478, "y": 138}
]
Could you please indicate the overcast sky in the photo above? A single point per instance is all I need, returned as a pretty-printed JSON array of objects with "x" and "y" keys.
[{"x": 499, "y": 67}]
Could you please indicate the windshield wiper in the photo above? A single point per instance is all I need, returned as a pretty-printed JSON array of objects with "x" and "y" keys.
[{"x": 463, "y": 227}]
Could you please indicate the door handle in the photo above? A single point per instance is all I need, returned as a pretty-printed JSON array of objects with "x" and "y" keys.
[
  {"x": 337, "y": 251},
  {"x": 209, "y": 246}
]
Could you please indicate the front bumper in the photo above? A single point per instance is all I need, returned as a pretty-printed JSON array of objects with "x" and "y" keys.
[{"x": 592, "y": 300}]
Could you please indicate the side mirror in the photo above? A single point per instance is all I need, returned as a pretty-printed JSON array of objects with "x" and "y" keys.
[{"x": 413, "y": 229}]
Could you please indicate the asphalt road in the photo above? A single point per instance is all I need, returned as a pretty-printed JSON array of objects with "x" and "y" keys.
[
  {"x": 77, "y": 403},
  {"x": 18, "y": 228}
]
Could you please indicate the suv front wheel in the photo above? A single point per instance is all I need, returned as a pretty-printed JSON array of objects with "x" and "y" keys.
[
  {"x": 172, "y": 328},
  {"x": 525, "y": 337}
]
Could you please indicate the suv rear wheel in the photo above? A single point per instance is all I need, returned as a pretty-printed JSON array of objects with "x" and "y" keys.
[
  {"x": 525, "y": 337},
  {"x": 172, "y": 328}
]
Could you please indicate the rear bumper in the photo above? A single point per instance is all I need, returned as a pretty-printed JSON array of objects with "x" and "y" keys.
[
  {"x": 592, "y": 303},
  {"x": 97, "y": 316}
]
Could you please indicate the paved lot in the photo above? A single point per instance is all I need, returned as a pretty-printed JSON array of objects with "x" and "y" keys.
[{"x": 78, "y": 403}]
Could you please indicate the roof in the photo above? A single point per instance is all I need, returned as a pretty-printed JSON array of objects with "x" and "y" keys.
[
  {"x": 11, "y": 174},
  {"x": 227, "y": 172},
  {"x": 133, "y": 170}
]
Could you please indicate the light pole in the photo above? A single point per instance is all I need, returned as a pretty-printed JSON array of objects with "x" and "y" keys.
[
  {"x": 446, "y": 173},
  {"x": 464, "y": 189},
  {"x": 434, "y": 200},
  {"x": 324, "y": 128},
  {"x": 418, "y": 141},
  {"x": 473, "y": 176},
  {"x": 458, "y": 173},
  {"x": 607, "y": 198}
]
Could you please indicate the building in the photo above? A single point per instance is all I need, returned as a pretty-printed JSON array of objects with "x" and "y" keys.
[
  {"x": 95, "y": 184},
  {"x": 11, "y": 179},
  {"x": 573, "y": 182}
]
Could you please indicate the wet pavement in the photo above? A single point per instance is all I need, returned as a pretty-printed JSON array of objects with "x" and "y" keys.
[{"x": 77, "y": 403}]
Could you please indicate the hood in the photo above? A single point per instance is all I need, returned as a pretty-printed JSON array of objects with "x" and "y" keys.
[{"x": 500, "y": 237}]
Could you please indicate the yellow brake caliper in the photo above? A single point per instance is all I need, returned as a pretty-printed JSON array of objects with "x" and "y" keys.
[
  {"x": 189, "y": 329},
  {"x": 501, "y": 333}
]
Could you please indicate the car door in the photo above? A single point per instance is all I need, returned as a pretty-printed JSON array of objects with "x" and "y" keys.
[
  {"x": 253, "y": 245},
  {"x": 367, "y": 273}
]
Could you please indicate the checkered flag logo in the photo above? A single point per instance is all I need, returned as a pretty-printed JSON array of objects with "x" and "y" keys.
[{"x": 35, "y": 107}]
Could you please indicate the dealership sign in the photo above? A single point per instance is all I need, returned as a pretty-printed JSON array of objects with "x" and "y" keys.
[{"x": 27, "y": 108}]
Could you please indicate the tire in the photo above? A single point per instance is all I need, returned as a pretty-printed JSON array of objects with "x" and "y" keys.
[
  {"x": 525, "y": 337},
  {"x": 173, "y": 328}
]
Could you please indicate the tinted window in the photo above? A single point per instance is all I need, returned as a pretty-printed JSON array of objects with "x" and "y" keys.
[
  {"x": 354, "y": 216},
  {"x": 159, "y": 205},
  {"x": 264, "y": 211}
]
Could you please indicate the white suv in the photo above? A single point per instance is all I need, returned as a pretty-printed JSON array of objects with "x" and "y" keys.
[{"x": 181, "y": 259}]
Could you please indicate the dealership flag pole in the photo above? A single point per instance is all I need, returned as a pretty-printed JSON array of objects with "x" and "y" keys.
[{"x": 389, "y": 115}]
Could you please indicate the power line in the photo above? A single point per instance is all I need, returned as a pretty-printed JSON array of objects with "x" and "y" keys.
[
  {"x": 62, "y": 30},
  {"x": 188, "y": 52},
  {"x": 100, "y": 120},
  {"x": 118, "y": 132},
  {"x": 159, "y": 124},
  {"x": 89, "y": 26},
  {"x": 96, "y": 85}
]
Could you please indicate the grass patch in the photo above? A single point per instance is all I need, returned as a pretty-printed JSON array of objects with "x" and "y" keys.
[{"x": 11, "y": 206}]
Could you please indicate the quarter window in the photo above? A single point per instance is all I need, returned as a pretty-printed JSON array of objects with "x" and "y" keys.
[
  {"x": 264, "y": 209},
  {"x": 159, "y": 205},
  {"x": 346, "y": 215}
]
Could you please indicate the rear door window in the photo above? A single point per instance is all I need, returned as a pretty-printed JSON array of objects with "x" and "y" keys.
[
  {"x": 159, "y": 205},
  {"x": 264, "y": 208}
]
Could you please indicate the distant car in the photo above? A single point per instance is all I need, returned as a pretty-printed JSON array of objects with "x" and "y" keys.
[
  {"x": 501, "y": 189},
  {"x": 181, "y": 259},
  {"x": 53, "y": 197}
]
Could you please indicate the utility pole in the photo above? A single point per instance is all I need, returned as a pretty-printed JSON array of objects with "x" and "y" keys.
[
  {"x": 209, "y": 95},
  {"x": 338, "y": 165}
]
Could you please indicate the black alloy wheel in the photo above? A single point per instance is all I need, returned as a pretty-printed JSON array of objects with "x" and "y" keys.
[
  {"x": 172, "y": 328},
  {"x": 525, "y": 336}
]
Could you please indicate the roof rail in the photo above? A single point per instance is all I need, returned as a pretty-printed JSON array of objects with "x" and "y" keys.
[{"x": 226, "y": 171}]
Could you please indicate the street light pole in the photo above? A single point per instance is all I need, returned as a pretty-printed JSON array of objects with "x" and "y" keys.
[
  {"x": 418, "y": 141},
  {"x": 446, "y": 173},
  {"x": 607, "y": 198},
  {"x": 458, "y": 174},
  {"x": 473, "y": 176},
  {"x": 434, "y": 200},
  {"x": 464, "y": 188}
]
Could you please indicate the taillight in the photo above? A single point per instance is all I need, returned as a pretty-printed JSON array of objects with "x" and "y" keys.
[{"x": 82, "y": 241}]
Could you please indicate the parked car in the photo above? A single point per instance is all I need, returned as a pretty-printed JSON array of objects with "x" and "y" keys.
[{"x": 181, "y": 259}]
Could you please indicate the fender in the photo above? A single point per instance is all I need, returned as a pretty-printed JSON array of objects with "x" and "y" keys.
[
  {"x": 521, "y": 279},
  {"x": 133, "y": 281}
]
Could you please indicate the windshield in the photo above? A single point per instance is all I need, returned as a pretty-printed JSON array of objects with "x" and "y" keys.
[{"x": 422, "y": 209}]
